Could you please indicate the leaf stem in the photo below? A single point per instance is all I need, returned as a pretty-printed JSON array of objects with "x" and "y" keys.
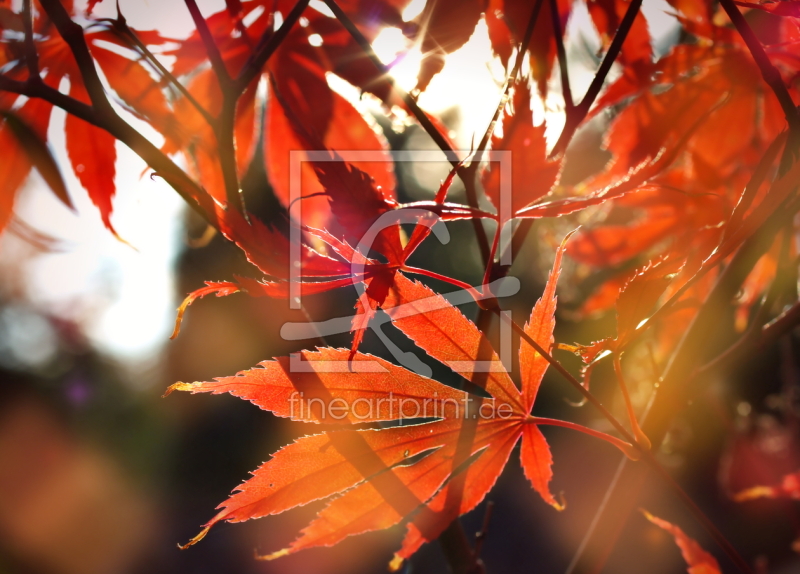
[
  {"x": 434, "y": 275},
  {"x": 487, "y": 275},
  {"x": 641, "y": 438},
  {"x": 626, "y": 448}
]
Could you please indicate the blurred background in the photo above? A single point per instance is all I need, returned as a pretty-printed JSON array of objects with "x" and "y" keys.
[{"x": 99, "y": 475}]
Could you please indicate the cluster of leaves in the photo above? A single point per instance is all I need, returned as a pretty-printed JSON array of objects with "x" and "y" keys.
[{"x": 702, "y": 143}]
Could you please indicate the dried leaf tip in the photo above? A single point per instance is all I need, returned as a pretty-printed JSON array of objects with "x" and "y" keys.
[
  {"x": 179, "y": 318},
  {"x": 273, "y": 556},
  {"x": 396, "y": 563},
  {"x": 196, "y": 539},
  {"x": 222, "y": 289},
  {"x": 179, "y": 386},
  {"x": 561, "y": 503},
  {"x": 754, "y": 493}
]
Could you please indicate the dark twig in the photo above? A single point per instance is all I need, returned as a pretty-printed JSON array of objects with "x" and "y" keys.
[
  {"x": 455, "y": 545},
  {"x": 212, "y": 50},
  {"x": 769, "y": 72},
  {"x": 566, "y": 90},
  {"x": 469, "y": 175},
  {"x": 232, "y": 90},
  {"x": 41, "y": 90},
  {"x": 225, "y": 133},
  {"x": 193, "y": 194},
  {"x": 577, "y": 114},
  {"x": 570, "y": 379},
  {"x": 510, "y": 80},
  {"x": 31, "y": 55},
  {"x": 73, "y": 36},
  {"x": 480, "y": 536},
  {"x": 756, "y": 339},
  {"x": 224, "y": 127},
  {"x": 267, "y": 45},
  {"x": 677, "y": 383},
  {"x": 120, "y": 24},
  {"x": 418, "y": 113}
]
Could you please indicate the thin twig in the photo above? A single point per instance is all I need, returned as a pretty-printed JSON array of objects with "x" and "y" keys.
[
  {"x": 641, "y": 438},
  {"x": 72, "y": 34},
  {"x": 566, "y": 90},
  {"x": 699, "y": 515},
  {"x": 769, "y": 72},
  {"x": 677, "y": 382},
  {"x": 455, "y": 545},
  {"x": 510, "y": 81},
  {"x": 212, "y": 50},
  {"x": 31, "y": 55},
  {"x": 120, "y": 24},
  {"x": 577, "y": 114},
  {"x": 620, "y": 428},
  {"x": 470, "y": 173},
  {"x": 418, "y": 113},
  {"x": 226, "y": 149},
  {"x": 267, "y": 45},
  {"x": 480, "y": 536},
  {"x": 41, "y": 90},
  {"x": 224, "y": 127},
  {"x": 194, "y": 195}
]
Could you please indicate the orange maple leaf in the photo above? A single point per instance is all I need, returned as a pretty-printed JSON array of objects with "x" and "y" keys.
[{"x": 426, "y": 474}]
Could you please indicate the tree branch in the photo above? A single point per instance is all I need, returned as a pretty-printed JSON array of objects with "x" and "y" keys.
[
  {"x": 73, "y": 36},
  {"x": 193, "y": 194},
  {"x": 38, "y": 89}
]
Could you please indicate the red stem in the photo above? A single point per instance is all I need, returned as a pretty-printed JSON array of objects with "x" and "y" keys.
[
  {"x": 466, "y": 286},
  {"x": 641, "y": 438},
  {"x": 626, "y": 448}
]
